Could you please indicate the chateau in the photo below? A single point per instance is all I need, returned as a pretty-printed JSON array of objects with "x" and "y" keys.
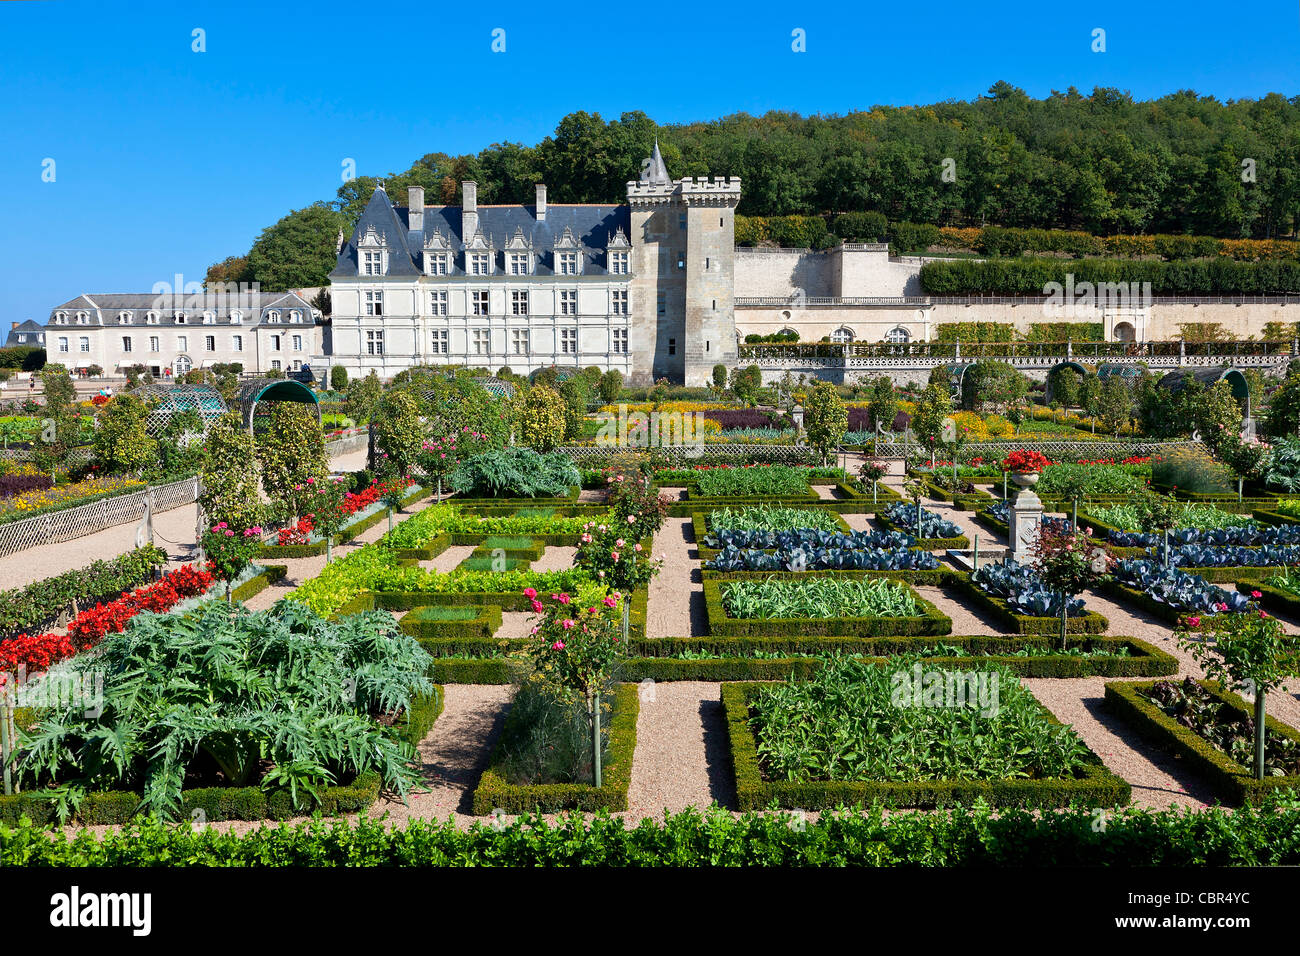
[{"x": 645, "y": 288}]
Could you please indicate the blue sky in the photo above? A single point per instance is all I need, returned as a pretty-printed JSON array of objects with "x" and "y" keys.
[{"x": 167, "y": 160}]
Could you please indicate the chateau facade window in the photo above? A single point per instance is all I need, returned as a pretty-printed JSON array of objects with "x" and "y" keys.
[
  {"x": 842, "y": 335},
  {"x": 619, "y": 304},
  {"x": 374, "y": 303},
  {"x": 518, "y": 301},
  {"x": 237, "y": 343},
  {"x": 154, "y": 344},
  {"x": 440, "y": 344},
  {"x": 618, "y": 341},
  {"x": 478, "y": 301},
  {"x": 438, "y": 301},
  {"x": 519, "y": 263},
  {"x": 898, "y": 336},
  {"x": 481, "y": 341},
  {"x": 519, "y": 341},
  {"x": 569, "y": 341},
  {"x": 568, "y": 302},
  {"x": 374, "y": 342}
]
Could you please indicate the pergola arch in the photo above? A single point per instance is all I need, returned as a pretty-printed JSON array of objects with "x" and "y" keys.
[
  {"x": 167, "y": 400},
  {"x": 259, "y": 391},
  {"x": 1177, "y": 380}
]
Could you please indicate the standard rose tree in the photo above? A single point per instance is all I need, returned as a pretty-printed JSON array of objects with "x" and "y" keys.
[{"x": 576, "y": 649}]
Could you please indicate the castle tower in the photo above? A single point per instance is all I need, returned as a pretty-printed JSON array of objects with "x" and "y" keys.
[{"x": 683, "y": 256}]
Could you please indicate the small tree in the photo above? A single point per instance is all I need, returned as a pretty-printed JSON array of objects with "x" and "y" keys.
[
  {"x": 720, "y": 376},
  {"x": 399, "y": 430},
  {"x": 934, "y": 405},
  {"x": 392, "y": 486},
  {"x": 1246, "y": 457},
  {"x": 1248, "y": 650},
  {"x": 1114, "y": 404},
  {"x": 542, "y": 419},
  {"x": 1090, "y": 398},
  {"x": 289, "y": 452},
  {"x": 574, "y": 391},
  {"x": 230, "y": 550},
  {"x": 745, "y": 383},
  {"x": 611, "y": 385},
  {"x": 363, "y": 396},
  {"x": 122, "y": 442},
  {"x": 825, "y": 419},
  {"x": 577, "y": 649},
  {"x": 882, "y": 403},
  {"x": 338, "y": 378},
  {"x": 1068, "y": 564},
  {"x": 438, "y": 458},
  {"x": 229, "y": 475},
  {"x": 60, "y": 428},
  {"x": 323, "y": 500}
]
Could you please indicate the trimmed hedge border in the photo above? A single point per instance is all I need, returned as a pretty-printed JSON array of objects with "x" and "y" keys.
[
  {"x": 1263, "y": 516},
  {"x": 1090, "y": 622},
  {"x": 482, "y": 625},
  {"x": 230, "y": 803},
  {"x": 1274, "y": 597},
  {"x": 931, "y": 622},
  {"x": 271, "y": 574},
  {"x": 493, "y": 792},
  {"x": 531, "y": 553},
  {"x": 1098, "y": 787},
  {"x": 1230, "y": 780}
]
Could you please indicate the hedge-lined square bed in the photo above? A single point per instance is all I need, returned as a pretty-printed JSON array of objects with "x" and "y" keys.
[
  {"x": 1232, "y": 780},
  {"x": 751, "y": 606},
  {"x": 886, "y": 756},
  {"x": 495, "y": 792}
]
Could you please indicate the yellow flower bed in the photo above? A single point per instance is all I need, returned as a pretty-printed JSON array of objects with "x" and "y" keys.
[
  {"x": 68, "y": 494},
  {"x": 665, "y": 407}
]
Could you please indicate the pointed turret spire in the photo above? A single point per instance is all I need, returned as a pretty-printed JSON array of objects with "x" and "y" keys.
[{"x": 656, "y": 173}]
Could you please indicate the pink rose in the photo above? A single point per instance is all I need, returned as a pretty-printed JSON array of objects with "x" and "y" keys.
[
  {"x": 558, "y": 646},
  {"x": 611, "y": 601},
  {"x": 1193, "y": 622},
  {"x": 530, "y": 593},
  {"x": 567, "y": 623},
  {"x": 1256, "y": 595}
]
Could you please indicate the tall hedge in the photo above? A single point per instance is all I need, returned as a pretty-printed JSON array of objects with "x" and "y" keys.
[{"x": 1030, "y": 277}]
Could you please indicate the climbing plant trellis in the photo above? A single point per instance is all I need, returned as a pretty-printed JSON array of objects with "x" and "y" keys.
[{"x": 167, "y": 401}]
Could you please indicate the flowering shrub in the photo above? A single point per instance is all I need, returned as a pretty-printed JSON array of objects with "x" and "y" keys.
[
  {"x": 633, "y": 496},
  {"x": 1068, "y": 563},
  {"x": 1025, "y": 462},
  {"x": 300, "y": 533},
  {"x": 610, "y": 554},
  {"x": 229, "y": 550}
]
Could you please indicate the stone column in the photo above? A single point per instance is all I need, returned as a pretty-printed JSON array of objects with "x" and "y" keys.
[{"x": 1026, "y": 517}]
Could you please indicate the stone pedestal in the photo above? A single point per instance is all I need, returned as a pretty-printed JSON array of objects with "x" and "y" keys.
[{"x": 1026, "y": 519}]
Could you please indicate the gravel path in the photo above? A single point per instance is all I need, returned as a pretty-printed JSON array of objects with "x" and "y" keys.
[
  {"x": 681, "y": 756},
  {"x": 676, "y": 601},
  {"x": 174, "y": 531}
]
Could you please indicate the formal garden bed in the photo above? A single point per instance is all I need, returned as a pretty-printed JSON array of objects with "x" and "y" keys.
[
  {"x": 821, "y": 604},
  {"x": 852, "y": 734},
  {"x": 1184, "y": 717}
]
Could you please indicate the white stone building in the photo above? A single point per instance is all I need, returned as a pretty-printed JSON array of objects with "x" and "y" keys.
[
  {"x": 171, "y": 334},
  {"x": 644, "y": 288}
]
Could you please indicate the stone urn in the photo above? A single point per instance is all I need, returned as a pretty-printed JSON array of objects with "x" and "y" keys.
[{"x": 1026, "y": 479}]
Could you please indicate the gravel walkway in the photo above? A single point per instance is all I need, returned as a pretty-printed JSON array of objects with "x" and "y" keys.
[
  {"x": 681, "y": 759},
  {"x": 676, "y": 602}
]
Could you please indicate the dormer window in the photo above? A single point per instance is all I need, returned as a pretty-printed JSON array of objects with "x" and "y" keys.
[
  {"x": 619, "y": 253},
  {"x": 82, "y": 318},
  {"x": 568, "y": 254},
  {"x": 435, "y": 264},
  {"x": 180, "y": 318},
  {"x": 61, "y": 318},
  {"x": 151, "y": 318},
  {"x": 273, "y": 316},
  {"x": 295, "y": 316},
  {"x": 236, "y": 318},
  {"x": 519, "y": 263},
  {"x": 566, "y": 263},
  {"x": 209, "y": 318},
  {"x": 124, "y": 318},
  {"x": 372, "y": 249},
  {"x": 480, "y": 264},
  {"x": 619, "y": 263}
]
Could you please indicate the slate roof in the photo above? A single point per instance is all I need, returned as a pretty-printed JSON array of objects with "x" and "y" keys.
[
  {"x": 26, "y": 328},
  {"x": 104, "y": 309},
  {"x": 593, "y": 225}
]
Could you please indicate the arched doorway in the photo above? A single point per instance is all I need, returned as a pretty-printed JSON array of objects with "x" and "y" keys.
[{"x": 1124, "y": 332}]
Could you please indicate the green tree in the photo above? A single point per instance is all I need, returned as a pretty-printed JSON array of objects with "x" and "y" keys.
[
  {"x": 611, "y": 385},
  {"x": 574, "y": 391},
  {"x": 289, "y": 451},
  {"x": 298, "y": 251},
  {"x": 399, "y": 430},
  {"x": 362, "y": 398},
  {"x": 882, "y": 403},
  {"x": 1115, "y": 404},
  {"x": 542, "y": 419},
  {"x": 122, "y": 442},
  {"x": 229, "y": 475},
  {"x": 825, "y": 419},
  {"x": 1282, "y": 417},
  {"x": 745, "y": 383},
  {"x": 934, "y": 405},
  {"x": 60, "y": 426},
  {"x": 338, "y": 378},
  {"x": 1064, "y": 384}
]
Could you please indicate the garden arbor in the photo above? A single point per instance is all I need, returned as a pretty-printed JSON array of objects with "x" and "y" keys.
[
  {"x": 1178, "y": 380},
  {"x": 254, "y": 395},
  {"x": 956, "y": 376},
  {"x": 1057, "y": 368}
]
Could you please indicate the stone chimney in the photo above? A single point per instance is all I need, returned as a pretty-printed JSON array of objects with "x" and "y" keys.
[
  {"x": 541, "y": 202},
  {"x": 13, "y": 325},
  {"x": 415, "y": 200},
  {"x": 468, "y": 210}
]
